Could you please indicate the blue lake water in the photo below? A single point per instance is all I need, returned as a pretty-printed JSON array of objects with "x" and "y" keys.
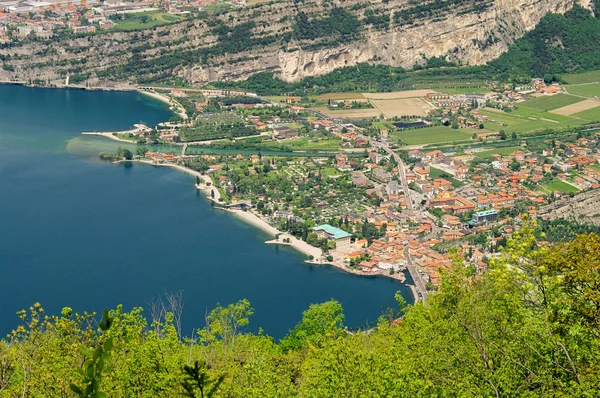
[{"x": 78, "y": 232}]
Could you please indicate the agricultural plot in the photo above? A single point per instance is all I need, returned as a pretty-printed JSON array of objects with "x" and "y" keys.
[
  {"x": 593, "y": 115},
  {"x": 581, "y": 78},
  {"x": 403, "y": 107},
  {"x": 432, "y": 135},
  {"x": 525, "y": 119},
  {"x": 466, "y": 90},
  {"x": 551, "y": 102},
  {"x": 398, "y": 94},
  {"x": 577, "y": 107},
  {"x": 349, "y": 113},
  {"x": 587, "y": 90}
]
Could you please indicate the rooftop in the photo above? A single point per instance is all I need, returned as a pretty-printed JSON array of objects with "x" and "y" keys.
[{"x": 334, "y": 232}]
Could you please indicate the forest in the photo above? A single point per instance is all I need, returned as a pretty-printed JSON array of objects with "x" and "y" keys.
[
  {"x": 527, "y": 327},
  {"x": 568, "y": 43}
]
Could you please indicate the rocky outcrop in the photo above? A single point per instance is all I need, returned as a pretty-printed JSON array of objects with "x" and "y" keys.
[
  {"x": 470, "y": 39},
  {"x": 470, "y": 33},
  {"x": 582, "y": 208}
]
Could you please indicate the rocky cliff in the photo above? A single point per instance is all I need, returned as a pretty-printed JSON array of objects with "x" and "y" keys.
[
  {"x": 267, "y": 37},
  {"x": 583, "y": 208}
]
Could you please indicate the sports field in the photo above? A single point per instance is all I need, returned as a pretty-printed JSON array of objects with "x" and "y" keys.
[
  {"x": 551, "y": 102},
  {"x": 499, "y": 151},
  {"x": 587, "y": 90},
  {"x": 144, "y": 20},
  {"x": 558, "y": 185},
  {"x": 432, "y": 135},
  {"x": 580, "y": 78}
]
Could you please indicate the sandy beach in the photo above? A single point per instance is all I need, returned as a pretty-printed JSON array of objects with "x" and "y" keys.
[
  {"x": 111, "y": 136},
  {"x": 165, "y": 99}
]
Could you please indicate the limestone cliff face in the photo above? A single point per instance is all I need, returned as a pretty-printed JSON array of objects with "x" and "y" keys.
[
  {"x": 471, "y": 33},
  {"x": 459, "y": 37}
]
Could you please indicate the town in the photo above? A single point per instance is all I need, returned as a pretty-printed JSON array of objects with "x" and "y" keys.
[
  {"x": 433, "y": 178},
  {"x": 23, "y": 20}
]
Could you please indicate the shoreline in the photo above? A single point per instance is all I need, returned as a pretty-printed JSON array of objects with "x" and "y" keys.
[
  {"x": 110, "y": 136},
  {"x": 295, "y": 243}
]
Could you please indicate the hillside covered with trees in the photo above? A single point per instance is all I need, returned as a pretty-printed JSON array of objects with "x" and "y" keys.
[
  {"x": 529, "y": 326},
  {"x": 568, "y": 43}
]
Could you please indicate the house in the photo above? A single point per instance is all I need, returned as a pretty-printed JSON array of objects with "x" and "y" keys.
[
  {"x": 285, "y": 132},
  {"x": 381, "y": 175},
  {"x": 359, "y": 179},
  {"x": 339, "y": 236},
  {"x": 341, "y": 159},
  {"x": 452, "y": 235},
  {"x": 285, "y": 214},
  {"x": 393, "y": 188},
  {"x": 375, "y": 157}
]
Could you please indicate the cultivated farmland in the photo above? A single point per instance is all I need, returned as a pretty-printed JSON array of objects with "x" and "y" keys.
[
  {"x": 577, "y": 107},
  {"x": 587, "y": 90},
  {"x": 349, "y": 113},
  {"x": 403, "y": 107},
  {"x": 593, "y": 115},
  {"x": 551, "y": 102},
  {"x": 398, "y": 94},
  {"x": 432, "y": 135},
  {"x": 580, "y": 78}
]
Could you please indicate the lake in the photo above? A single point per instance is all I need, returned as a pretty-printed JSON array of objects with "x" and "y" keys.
[{"x": 86, "y": 234}]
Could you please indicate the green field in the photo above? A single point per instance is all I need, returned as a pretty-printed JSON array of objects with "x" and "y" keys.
[
  {"x": 433, "y": 135},
  {"x": 465, "y": 90},
  {"x": 551, "y": 102},
  {"x": 500, "y": 151},
  {"x": 558, "y": 185},
  {"x": 306, "y": 144},
  {"x": 144, "y": 20},
  {"x": 593, "y": 115},
  {"x": 525, "y": 119},
  {"x": 437, "y": 173},
  {"x": 580, "y": 78},
  {"x": 587, "y": 90}
]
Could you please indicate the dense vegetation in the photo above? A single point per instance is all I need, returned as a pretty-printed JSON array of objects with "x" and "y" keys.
[
  {"x": 530, "y": 326},
  {"x": 341, "y": 25},
  {"x": 562, "y": 230},
  {"x": 559, "y": 44}
]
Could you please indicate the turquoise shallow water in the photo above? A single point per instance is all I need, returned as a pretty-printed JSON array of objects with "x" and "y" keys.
[{"x": 81, "y": 233}]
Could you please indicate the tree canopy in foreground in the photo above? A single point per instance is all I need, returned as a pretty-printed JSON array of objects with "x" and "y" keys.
[{"x": 529, "y": 326}]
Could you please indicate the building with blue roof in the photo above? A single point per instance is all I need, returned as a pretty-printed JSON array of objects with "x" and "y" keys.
[
  {"x": 485, "y": 216},
  {"x": 339, "y": 236}
]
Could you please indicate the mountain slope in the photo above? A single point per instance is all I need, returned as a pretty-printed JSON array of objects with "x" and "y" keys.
[{"x": 293, "y": 39}]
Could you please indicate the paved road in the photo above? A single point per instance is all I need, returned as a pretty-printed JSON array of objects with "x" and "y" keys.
[
  {"x": 401, "y": 172},
  {"x": 416, "y": 276}
]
